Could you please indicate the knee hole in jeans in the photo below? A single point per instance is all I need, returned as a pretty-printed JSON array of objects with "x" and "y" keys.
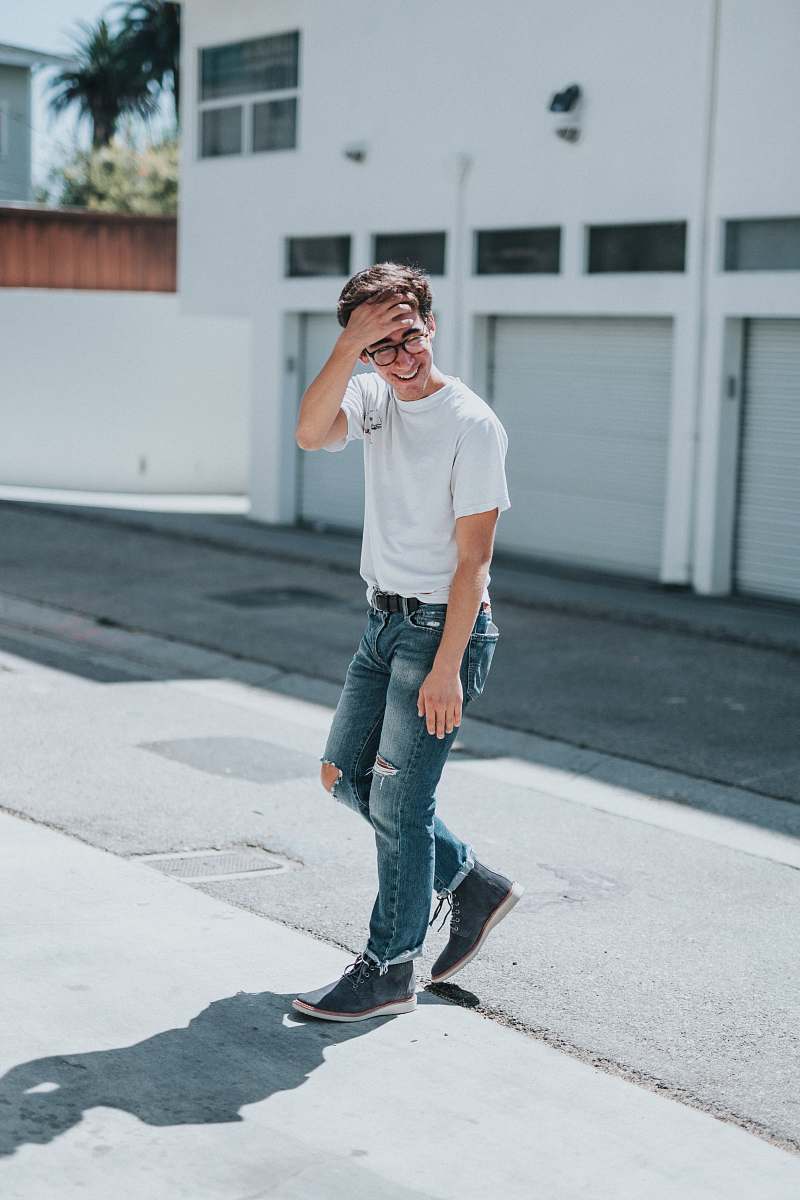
[{"x": 330, "y": 775}]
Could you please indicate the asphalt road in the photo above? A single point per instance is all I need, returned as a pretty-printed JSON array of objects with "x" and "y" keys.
[{"x": 710, "y": 708}]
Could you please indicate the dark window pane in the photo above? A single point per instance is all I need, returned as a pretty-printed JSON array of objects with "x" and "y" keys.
[
  {"x": 221, "y": 131},
  {"x": 275, "y": 124},
  {"x": 318, "y": 256},
  {"x": 262, "y": 65},
  {"x": 424, "y": 250},
  {"x": 772, "y": 244},
  {"x": 518, "y": 251},
  {"x": 638, "y": 247}
]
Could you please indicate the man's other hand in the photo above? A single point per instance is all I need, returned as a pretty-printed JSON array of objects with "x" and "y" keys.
[{"x": 440, "y": 702}]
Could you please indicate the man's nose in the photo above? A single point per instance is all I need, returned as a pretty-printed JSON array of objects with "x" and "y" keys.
[{"x": 404, "y": 357}]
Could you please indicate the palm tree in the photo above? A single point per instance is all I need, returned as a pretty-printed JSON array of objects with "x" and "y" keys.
[
  {"x": 103, "y": 81},
  {"x": 152, "y": 31}
]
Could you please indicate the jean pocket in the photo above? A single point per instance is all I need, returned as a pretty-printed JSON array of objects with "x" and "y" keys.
[
  {"x": 481, "y": 652},
  {"x": 429, "y": 616}
]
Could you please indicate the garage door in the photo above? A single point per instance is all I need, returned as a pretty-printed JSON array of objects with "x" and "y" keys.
[
  {"x": 330, "y": 486},
  {"x": 586, "y": 405},
  {"x": 767, "y": 545}
]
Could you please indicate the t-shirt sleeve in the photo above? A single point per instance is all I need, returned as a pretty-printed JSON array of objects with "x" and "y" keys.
[
  {"x": 354, "y": 406},
  {"x": 478, "y": 481}
]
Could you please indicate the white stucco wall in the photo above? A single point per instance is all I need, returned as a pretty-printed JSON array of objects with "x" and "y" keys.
[
  {"x": 116, "y": 391},
  {"x": 690, "y": 114}
]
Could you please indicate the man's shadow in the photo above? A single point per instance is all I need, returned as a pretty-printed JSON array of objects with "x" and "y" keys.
[{"x": 235, "y": 1052}]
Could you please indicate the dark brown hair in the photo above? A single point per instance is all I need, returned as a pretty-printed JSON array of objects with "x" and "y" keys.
[{"x": 382, "y": 281}]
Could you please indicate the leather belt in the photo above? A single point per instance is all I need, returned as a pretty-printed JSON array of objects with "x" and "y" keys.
[{"x": 392, "y": 603}]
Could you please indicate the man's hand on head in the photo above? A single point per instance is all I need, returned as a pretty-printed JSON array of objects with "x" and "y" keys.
[{"x": 379, "y": 320}]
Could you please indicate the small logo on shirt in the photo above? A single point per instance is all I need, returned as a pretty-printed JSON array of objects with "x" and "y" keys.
[{"x": 372, "y": 423}]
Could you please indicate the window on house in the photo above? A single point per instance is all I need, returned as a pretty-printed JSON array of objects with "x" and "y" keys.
[
  {"x": 517, "y": 251},
  {"x": 769, "y": 244},
  {"x": 221, "y": 131},
  {"x": 306, "y": 256},
  {"x": 264, "y": 74},
  {"x": 424, "y": 250},
  {"x": 660, "y": 247}
]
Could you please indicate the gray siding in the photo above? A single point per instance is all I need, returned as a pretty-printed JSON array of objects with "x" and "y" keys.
[{"x": 15, "y": 167}]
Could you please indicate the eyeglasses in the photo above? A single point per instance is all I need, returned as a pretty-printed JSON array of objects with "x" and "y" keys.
[{"x": 386, "y": 355}]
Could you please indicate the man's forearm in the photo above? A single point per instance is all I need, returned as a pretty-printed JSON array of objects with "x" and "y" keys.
[
  {"x": 466, "y": 592},
  {"x": 322, "y": 399}
]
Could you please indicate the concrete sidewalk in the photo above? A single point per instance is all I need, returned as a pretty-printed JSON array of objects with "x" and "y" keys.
[{"x": 149, "y": 1049}]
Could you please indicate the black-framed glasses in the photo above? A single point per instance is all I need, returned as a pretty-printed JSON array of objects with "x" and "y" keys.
[{"x": 385, "y": 356}]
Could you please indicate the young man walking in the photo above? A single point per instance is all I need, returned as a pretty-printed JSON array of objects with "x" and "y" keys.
[{"x": 434, "y": 469}]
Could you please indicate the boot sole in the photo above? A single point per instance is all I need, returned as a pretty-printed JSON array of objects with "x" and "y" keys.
[
  {"x": 381, "y": 1010},
  {"x": 503, "y": 909}
]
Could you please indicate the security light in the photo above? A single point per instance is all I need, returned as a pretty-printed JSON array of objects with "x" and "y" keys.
[
  {"x": 566, "y": 101},
  {"x": 565, "y": 108}
]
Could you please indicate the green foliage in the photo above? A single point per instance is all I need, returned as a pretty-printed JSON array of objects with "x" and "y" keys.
[
  {"x": 105, "y": 82},
  {"x": 120, "y": 177},
  {"x": 152, "y": 33}
]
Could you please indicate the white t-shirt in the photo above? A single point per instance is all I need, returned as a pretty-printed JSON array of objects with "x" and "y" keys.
[{"x": 426, "y": 462}]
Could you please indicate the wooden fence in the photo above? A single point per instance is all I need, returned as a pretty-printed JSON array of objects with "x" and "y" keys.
[{"x": 74, "y": 248}]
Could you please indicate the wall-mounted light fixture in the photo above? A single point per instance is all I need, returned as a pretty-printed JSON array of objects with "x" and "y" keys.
[
  {"x": 357, "y": 152},
  {"x": 565, "y": 107}
]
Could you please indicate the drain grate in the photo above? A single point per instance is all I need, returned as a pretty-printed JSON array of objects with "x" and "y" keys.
[{"x": 201, "y": 866}]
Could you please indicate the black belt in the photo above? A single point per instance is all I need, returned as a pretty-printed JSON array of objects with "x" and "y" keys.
[{"x": 392, "y": 603}]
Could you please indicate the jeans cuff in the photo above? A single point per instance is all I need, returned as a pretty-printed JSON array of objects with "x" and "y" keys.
[
  {"x": 385, "y": 963},
  {"x": 460, "y": 874}
]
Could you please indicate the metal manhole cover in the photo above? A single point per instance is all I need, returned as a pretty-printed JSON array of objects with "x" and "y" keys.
[
  {"x": 264, "y": 597},
  {"x": 201, "y": 866}
]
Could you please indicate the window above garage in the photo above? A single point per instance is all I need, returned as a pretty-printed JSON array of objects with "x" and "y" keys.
[
  {"x": 424, "y": 250},
  {"x": 518, "y": 251},
  {"x": 310, "y": 256},
  {"x": 249, "y": 96},
  {"x": 768, "y": 244},
  {"x": 623, "y": 248}
]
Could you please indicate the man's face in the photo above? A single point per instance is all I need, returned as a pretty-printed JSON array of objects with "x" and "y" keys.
[{"x": 410, "y": 372}]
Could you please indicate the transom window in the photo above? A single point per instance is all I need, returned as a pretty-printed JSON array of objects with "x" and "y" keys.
[
  {"x": 249, "y": 96},
  {"x": 309, "y": 256},
  {"x": 622, "y": 248},
  {"x": 517, "y": 251},
  {"x": 769, "y": 244},
  {"x": 424, "y": 250}
]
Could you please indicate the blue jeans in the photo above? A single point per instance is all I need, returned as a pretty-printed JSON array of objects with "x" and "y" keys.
[{"x": 390, "y": 766}]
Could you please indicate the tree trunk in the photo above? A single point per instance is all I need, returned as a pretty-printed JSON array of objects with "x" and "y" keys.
[{"x": 103, "y": 128}]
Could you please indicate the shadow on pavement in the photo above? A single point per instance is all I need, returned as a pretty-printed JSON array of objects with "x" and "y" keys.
[{"x": 238, "y": 1051}]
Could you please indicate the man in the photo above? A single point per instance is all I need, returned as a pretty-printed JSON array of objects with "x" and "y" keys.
[{"x": 434, "y": 464}]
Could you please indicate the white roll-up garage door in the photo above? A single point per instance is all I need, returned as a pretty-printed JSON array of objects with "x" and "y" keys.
[
  {"x": 767, "y": 544},
  {"x": 586, "y": 403},
  {"x": 331, "y": 486}
]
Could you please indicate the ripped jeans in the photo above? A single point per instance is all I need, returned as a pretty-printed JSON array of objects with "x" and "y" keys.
[{"x": 390, "y": 766}]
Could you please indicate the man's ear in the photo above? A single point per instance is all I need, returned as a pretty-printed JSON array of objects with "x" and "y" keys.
[
  {"x": 364, "y": 358},
  {"x": 430, "y": 321}
]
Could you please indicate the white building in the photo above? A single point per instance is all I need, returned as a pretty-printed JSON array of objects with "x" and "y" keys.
[{"x": 628, "y": 300}]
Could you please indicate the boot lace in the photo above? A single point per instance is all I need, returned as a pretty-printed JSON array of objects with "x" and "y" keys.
[
  {"x": 454, "y": 912},
  {"x": 360, "y": 970}
]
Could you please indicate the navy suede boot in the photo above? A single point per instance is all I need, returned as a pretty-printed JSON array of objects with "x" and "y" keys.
[
  {"x": 362, "y": 992},
  {"x": 479, "y": 903}
]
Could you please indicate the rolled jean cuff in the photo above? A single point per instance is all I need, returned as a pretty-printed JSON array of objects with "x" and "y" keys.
[
  {"x": 460, "y": 874},
  {"x": 385, "y": 963}
]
